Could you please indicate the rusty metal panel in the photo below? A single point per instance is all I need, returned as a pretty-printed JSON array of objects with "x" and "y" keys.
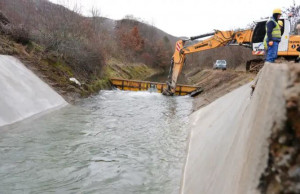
[{"x": 135, "y": 85}]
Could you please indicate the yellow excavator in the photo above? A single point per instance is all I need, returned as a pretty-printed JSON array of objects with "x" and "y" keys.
[{"x": 252, "y": 38}]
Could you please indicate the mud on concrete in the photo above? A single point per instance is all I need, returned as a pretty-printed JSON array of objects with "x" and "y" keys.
[
  {"x": 283, "y": 172},
  {"x": 254, "y": 149}
]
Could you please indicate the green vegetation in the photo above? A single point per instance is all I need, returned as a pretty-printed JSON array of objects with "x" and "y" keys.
[{"x": 139, "y": 71}]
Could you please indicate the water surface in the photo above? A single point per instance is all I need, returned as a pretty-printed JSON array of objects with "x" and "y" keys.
[{"x": 114, "y": 142}]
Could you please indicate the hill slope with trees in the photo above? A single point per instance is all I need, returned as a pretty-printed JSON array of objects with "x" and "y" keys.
[{"x": 58, "y": 43}]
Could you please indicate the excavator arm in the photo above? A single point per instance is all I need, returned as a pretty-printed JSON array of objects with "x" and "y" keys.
[{"x": 216, "y": 39}]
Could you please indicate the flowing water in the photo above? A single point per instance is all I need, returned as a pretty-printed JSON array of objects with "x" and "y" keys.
[{"x": 115, "y": 142}]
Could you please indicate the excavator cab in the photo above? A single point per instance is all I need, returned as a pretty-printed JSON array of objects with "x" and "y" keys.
[{"x": 259, "y": 32}]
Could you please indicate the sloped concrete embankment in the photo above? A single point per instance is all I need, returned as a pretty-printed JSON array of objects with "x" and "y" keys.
[
  {"x": 22, "y": 93},
  {"x": 228, "y": 147},
  {"x": 283, "y": 172}
]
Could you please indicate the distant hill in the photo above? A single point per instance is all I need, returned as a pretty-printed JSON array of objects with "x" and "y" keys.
[
  {"x": 57, "y": 44},
  {"x": 58, "y": 28},
  {"x": 88, "y": 43}
]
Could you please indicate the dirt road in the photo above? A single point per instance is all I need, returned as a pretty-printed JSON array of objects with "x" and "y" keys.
[{"x": 217, "y": 83}]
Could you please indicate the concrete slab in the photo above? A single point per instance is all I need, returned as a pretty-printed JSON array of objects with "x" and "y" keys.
[
  {"x": 22, "y": 93},
  {"x": 228, "y": 147}
]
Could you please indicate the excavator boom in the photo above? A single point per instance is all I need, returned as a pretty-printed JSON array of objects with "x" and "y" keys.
[{"x": 216, "y": 39}]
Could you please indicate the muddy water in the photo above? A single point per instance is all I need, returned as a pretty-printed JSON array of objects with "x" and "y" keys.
[{"x": 115, "y": 142}]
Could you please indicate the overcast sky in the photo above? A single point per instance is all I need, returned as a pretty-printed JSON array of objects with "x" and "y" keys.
[{"x": 184, "y": 17}]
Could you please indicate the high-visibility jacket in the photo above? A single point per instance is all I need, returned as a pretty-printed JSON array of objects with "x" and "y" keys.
[{"x": 276, "y": 33}]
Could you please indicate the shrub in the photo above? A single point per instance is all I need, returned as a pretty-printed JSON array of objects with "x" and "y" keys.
[{"x": 20, "y": 34}]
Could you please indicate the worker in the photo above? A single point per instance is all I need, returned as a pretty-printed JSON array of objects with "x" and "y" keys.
[
  {"x": 280, "y": 23},
  {"x": 273, "y": 36}
]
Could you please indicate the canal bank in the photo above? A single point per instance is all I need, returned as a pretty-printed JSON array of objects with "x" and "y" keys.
[{"x": 229, "y": 148}]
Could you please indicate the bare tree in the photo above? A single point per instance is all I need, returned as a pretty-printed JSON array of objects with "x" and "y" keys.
[{"x": 294, "y": 12}]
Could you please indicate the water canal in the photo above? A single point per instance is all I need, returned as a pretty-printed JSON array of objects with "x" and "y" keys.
[{"x": 114, "y": 142}]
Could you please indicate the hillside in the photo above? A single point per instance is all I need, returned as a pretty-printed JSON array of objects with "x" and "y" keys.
[
  {"x": 58, "y": 44},
  {"x": 93, "y": 49},
  {"x": 67, "y": 31},
  {"x": 236, "y": 57}
]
